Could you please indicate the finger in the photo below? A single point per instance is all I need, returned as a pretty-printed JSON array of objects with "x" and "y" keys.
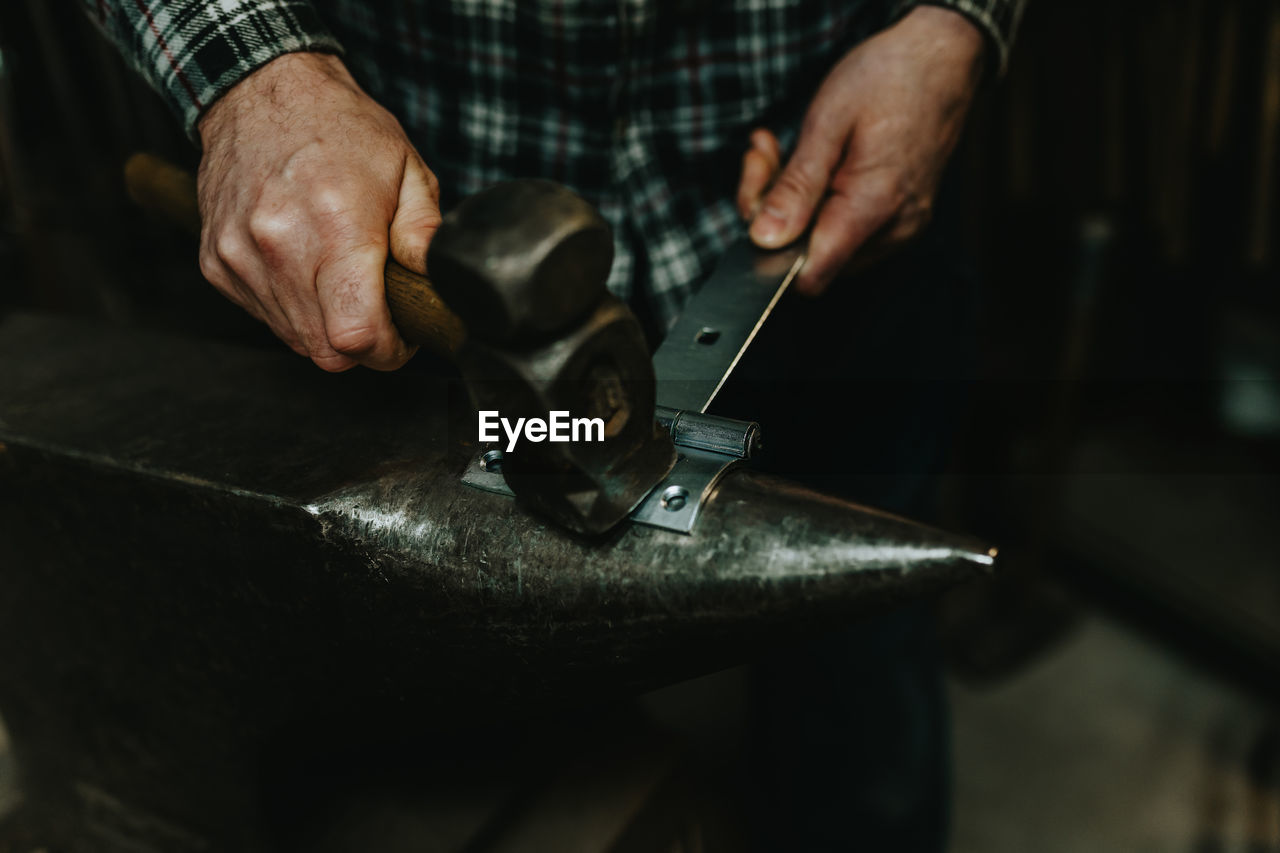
[
  {"x": 417, "y": 216},
  {"x": 285, "y": 327},
  {"x": 232, "y": 287},
  {"x": 232, "y": 259},
  {"x": 844, "y": 225},
  {"x": 763, "y": 140},
  {"x": 242, "y": 295},
  {"x": 759, "y": 166},
  {"x": 756, "y": 175},
  {"x": 352, "y": 298},
  {"x": 297, "y": 294},
  {"x": 788, "y": 207},
  {"x": 888, "y": 239},
  {"x": 280, "y": 271},
  {"x": 879, "y": 246},
  {"x": 295, "y": 318},
  {"x": 301, "y": 305}
]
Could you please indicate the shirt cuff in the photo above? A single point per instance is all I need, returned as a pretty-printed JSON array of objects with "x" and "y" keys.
[
  {"x": 195, "y": 51},
  {"x": 996, "y": 19}
]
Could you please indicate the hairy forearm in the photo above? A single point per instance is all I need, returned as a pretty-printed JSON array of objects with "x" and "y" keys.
[{"x": 996, "y": 20}]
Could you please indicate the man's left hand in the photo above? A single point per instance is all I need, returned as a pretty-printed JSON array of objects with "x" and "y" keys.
[{"x": 872, "y": 147}]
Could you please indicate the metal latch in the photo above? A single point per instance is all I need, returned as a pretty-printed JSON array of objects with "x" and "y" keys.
[{"x": 706, "y": 447}]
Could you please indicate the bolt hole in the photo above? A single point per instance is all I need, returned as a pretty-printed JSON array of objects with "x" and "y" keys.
[
  {"x": 674, "y": 497},
  {"x": 707, "y": 336},
  {"x": 492, "y": 462}
]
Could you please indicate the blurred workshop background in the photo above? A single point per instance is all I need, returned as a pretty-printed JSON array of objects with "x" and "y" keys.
[{"x": 1118, "y": 688}]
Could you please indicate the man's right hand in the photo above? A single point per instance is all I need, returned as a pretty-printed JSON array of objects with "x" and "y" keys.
[{"x": 304, "y": 185}]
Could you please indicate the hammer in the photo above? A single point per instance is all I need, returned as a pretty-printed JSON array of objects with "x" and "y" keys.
[{"x": 518, "y": 299}]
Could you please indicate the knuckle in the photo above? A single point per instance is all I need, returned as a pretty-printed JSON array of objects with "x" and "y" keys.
[
  {"x": 231, "y": 251},
  {"x": 902, "y": 192},
  {"x": 213, "y": 270},
  {"x": 409, "y": 247},
  {"x": 354, "y": 339},
  {"x": 880, "y": 203},
  {"x": 827, "y": 249},
  {"x": 432, "y": 182},
  {"x": 355, "y": 254},
  {"x": 883, "y": 191},
  {"x": 312, "y": 338},
  {"x": 410, "y": 241},
  {"x": 791, "y": 183},
  {"x": 330, "y": 202},
  {"x": 794, "y": 184},
  {"x": 269, "y": 230},
  {"x": 875, "y": 189},
  {"x": 891, "y": 197}
]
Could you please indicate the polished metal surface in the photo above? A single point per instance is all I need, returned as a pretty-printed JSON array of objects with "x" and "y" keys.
[
  {"x": 711, "y": 432},
  {"x": 707, "y": 446},
  {"x": 212, "y": 555},
  {"x": 720, "y": 321},
  {"x": 673, "y": 504},
  {"x": 676, "y": 502},
  {"x": 484, "y": 471},
  {"x": 238, "y": 464}
]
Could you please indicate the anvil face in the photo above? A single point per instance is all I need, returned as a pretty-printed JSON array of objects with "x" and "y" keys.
[
  {"x": 208, "y": 546},
  {"x": 229, "y": 472}
]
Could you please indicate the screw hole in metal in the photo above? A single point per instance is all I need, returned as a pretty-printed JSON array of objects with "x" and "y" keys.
[
  {"x": 674, "y": 497},
  {"x": 492, "y": 462},
  {"x": 707, "y": 336}
]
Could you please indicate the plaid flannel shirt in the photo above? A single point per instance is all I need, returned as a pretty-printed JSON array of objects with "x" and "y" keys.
[{"x": 643, "y": 106}]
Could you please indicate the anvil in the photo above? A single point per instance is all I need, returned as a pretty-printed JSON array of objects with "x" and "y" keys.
[{"x": 205, "y": 549}]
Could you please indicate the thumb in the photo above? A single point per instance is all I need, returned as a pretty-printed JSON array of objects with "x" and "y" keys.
[
  {"x": 417, "y": 216},
  {"x": 787, "y": 209}
]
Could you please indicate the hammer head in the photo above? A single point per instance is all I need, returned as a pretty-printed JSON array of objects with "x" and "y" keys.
[
  {"x": 524, "y": 264},
  {"x": 522, "y": 261}
]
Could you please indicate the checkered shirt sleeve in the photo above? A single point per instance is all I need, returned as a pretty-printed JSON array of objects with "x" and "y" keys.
[{"x": 192, "y": 51}]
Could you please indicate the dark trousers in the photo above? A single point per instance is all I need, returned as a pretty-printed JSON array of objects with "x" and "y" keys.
[{"x": 859, "y": 394}]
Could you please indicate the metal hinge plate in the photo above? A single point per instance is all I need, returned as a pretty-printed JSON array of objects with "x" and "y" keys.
[{"x": 706, "y": 448}]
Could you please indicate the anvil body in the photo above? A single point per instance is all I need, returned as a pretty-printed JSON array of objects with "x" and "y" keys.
[{"x": 207, "y": 551}]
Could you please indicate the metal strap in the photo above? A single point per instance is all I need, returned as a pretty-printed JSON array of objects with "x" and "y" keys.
[{"x": 707, "y": 446}]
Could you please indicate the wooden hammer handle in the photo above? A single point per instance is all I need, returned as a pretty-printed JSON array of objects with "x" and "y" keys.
[{"x": 418, "y": 312}]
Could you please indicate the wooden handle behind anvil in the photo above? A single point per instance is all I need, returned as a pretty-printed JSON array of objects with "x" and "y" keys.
[{"x": 418, "y": 311}]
